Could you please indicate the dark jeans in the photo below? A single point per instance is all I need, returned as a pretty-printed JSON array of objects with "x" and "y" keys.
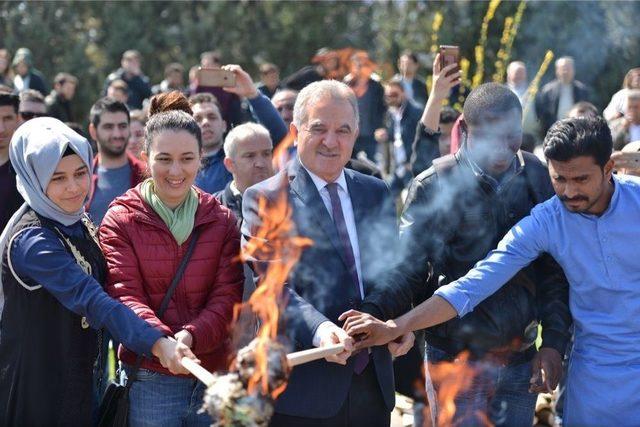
[
  {"x": 158, "y": 400},
  {"x": 364, "y": 407},
  {"x": 499, "y": 392}
]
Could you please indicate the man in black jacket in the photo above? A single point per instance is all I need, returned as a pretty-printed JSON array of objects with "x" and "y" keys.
[
  {"x": 558, "y": 96},
  {"x": 131, "y": 73},
  {"x": 455, "y": 213},
  {"x": 59, "y": 100}
]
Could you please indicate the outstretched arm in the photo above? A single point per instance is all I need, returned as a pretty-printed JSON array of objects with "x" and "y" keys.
[{"x": 522, "y": 244}]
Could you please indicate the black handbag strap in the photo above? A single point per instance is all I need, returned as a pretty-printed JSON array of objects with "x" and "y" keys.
[{"x": 167, "y": 297}]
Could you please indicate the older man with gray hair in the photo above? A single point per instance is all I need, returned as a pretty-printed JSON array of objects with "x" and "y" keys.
[
  {"x": 248, "y": 153},
  {"x": 558, "y": 96},
  {"x": 346, "y": 214}
]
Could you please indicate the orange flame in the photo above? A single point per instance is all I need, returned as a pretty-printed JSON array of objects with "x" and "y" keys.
[
  {"x": 276, "y": 248},
  {"x": 450, "y": 379}
]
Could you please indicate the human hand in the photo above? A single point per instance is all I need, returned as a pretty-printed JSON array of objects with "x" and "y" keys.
[
  {"x": 546, "y": 368},
  {"x": 244, "y": 83},
  {"x": 400, "y": 346},
  {"x": 441, "y": 84},
  {"x": 169, "y": 352},
  {"x": 330, "y": 335},
  {"x": 367, "y": 330},
  {"x": 381, "y": 135},
  {"x": 184, "y": 337}
]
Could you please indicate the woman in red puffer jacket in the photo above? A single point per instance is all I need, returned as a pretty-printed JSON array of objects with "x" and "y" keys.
[{"x": 144, "y": 236}]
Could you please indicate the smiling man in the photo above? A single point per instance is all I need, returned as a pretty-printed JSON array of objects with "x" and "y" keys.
[
  {"x": 115, "y": 170},
  {"x": 591, "y": 229},
  {"x": 346, "y": 214}
]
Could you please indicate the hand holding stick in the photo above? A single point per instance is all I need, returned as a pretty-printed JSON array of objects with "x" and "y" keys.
[{"x": 294, "y": 359}]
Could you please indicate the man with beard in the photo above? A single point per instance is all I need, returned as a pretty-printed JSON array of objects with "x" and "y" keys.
[
  {"x": 213, "y": 176},
  {"x": 591, "y": 228},
  {"x": 114, "y": 169}
]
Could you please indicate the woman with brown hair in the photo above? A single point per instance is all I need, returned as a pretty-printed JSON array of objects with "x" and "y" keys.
[{"x": 144, "y": 235}]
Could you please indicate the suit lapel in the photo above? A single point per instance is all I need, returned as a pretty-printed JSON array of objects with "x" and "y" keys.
[{"x": 303, "y": 187}]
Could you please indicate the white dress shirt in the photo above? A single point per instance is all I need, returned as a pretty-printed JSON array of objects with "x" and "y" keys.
[
  {"x": 565, "y": 102},
  {"x": 349, "y": 219}
]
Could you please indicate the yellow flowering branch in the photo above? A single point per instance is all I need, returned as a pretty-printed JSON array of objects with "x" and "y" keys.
[
  {"x": 435, "y": 29},
  {"x": 532, "y": 90},
  {"x": 479, "y": 50}
]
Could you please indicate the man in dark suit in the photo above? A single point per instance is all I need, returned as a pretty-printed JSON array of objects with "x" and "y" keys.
[
  {"x": 396, "y": 139},
  {"x": 346, "y": 214},
  {"x": 558, "y": 96}
]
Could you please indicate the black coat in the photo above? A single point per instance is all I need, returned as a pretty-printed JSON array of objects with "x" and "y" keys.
[
  {"x": 548, "y": 98},
  {"x": 320, "y": 286},
  {"x": 451, "y": 220},
  {"x": 408, "y": 124},
  {"x": 59, "y": 107}
]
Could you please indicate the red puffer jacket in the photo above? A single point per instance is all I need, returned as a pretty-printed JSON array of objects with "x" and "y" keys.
[{"x": 143, "y": 256}]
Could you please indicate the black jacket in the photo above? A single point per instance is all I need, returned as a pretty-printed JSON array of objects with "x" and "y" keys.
[
  {"x": 139, "y": 87},
  {"x": 231, "y": 201},
  {"x": 408, "y": 123},
  {"x": 548, "y": 98},
  {"x": 452, "y": 218},
  {"x": 59, "y": 107}
]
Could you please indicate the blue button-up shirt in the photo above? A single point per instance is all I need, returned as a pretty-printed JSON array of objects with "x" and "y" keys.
[{"x": 600, "y": 256}]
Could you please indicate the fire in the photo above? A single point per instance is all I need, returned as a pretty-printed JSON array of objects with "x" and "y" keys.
[
  {"x": 276, "y": 248},
  {"x": 449, "y": 380}
]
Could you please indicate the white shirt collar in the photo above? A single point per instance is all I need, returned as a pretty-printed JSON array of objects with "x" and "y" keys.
[{"x": 321, "y": 183}]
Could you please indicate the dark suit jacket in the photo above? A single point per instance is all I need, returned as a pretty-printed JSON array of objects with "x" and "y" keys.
[
  {"x": 548, "y": 98},
  {"x": 408, "y": 124},
  {"x": 320, "y": 287}
]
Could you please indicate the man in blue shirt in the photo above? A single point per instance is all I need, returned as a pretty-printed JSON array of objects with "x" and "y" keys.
[{"x": 591, "y": 228}]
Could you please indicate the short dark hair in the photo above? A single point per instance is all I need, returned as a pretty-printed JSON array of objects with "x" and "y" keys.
[
  {"x": 31, "y": 95},
  {"x": 62, "y": 78},
  {"x": 585, "y": 107},
  {"x": 487, "y": 101},
  {"x": 576, "y": 137},
  {"x": 448, "y": 115},
  {"x": 11, "y": 100},
  {"x": 108, "y": 105},
  {"x": 410, "y": 54},
  {"x": 172, "y": 120},
  {"x": 203, "y": 97}
]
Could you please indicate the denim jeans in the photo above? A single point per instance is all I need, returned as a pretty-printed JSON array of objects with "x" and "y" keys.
[
  {"x": 160, "y": 400},
  {"x": 499, "y": 392}
]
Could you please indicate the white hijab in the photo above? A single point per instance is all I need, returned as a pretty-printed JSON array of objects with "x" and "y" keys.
[{"x": 35, "y": 151}]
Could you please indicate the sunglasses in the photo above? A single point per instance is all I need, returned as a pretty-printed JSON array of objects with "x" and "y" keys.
[{"x": 28, "y": 115}]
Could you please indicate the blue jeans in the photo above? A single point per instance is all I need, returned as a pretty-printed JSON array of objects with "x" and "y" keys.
[
  {"x": 158, "y": 400},
  {"x": 499, "y": 392}
]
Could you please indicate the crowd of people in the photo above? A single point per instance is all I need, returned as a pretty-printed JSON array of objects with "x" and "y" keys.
[{"x": 435, "y": 231}]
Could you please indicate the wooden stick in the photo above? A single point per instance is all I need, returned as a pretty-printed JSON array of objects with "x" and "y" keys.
[
  {"x": 305, "y": 356},
  {"x": 294, "y": 359},
  {"x": 198, "y": 371}
]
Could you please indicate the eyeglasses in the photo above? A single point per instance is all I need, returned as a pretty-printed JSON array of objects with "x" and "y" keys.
[{"x": 28, "y": 115}]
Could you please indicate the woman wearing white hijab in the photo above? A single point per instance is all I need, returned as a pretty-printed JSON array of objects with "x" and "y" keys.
[{"x": 51, "y": 296}]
